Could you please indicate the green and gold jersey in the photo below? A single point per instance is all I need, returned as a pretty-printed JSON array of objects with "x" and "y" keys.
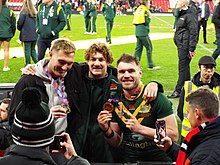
[{"x": 136, "y": 147}]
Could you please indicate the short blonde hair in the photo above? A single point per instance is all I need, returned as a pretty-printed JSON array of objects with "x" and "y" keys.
[{"x": 63, "y": 44}]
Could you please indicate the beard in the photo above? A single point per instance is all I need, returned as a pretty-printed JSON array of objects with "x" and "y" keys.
[{"x": 130, "y": 86}]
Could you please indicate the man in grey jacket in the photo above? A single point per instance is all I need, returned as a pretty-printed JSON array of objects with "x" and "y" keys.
[{"x": 49, "y": 79}]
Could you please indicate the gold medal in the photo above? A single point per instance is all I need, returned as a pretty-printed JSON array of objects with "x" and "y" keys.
[
  {"x": 108, "y": 107},
  {"x": 68, "y": 110}
]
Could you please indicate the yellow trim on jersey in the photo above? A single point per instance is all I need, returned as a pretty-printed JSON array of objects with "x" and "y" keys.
[
  {"x": 123, "y": 108},
  {"x": 58, "y": 9}
]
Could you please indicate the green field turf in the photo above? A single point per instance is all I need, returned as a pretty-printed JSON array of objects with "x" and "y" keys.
[{"x": 164, "y": 50}]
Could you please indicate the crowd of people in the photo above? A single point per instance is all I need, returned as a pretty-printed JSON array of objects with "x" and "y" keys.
[{"x": 104, "y": 114}]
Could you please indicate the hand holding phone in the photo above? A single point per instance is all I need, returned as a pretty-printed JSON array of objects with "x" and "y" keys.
[
  {"x": 55, "y": 145},
  {"x": 160, "y": 130}
]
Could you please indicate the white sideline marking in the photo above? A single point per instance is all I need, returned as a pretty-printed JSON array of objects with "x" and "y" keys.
[{"x": 18, "y": 51}]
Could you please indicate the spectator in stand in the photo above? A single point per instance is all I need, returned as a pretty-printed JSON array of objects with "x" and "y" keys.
[
  {"x": 27, "y": 25},
  {"x": 4, "y": 126},
  {"x": 109, "y": 12},
  {"x": 7, "y": 30},
  {"x": 50, "y": 21},
  {"x": 68, "y": 12}
]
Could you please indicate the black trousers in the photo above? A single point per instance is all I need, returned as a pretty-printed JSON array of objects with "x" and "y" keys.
[
  {"x": 183, "y": 68},
  {"x": 217, "y": 50},
  {"x": 42, "y": 46},
  {"x": 203, "y": 23}
]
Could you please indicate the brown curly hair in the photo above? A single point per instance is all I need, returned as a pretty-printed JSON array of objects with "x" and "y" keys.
[{"x": 101, "y": 48}]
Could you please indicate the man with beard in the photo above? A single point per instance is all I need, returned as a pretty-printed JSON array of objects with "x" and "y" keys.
[
  {"x": 128, "y": 122},
  {"x": 4, "y": 127},
  {"x": 205, "y": 77},
  {"x": 89, "y": 85},
  {"x": 97, "y": 84}
]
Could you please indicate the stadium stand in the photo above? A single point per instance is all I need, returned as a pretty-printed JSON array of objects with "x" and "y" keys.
[{"x": 15, "y": 5}]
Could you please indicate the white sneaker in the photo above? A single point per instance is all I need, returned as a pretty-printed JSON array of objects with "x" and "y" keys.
[
  {"x": 86, "y": 32},
  {"x": 154, "y": 68},
  {"x": 6, "y": 69},
  {"x": 94, "y": 33}
]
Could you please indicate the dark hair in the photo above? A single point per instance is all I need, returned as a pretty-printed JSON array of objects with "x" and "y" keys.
[
  {"x": 127, "y": 58},
  {"x": 6, "y": 101},
  {"x": 101, "y": 48},
  {"x": 205, "y": 99}
]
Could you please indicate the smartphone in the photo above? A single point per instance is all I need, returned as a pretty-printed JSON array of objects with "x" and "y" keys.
[
  {"x": 55, "y": 145},
  {"x": 160, "y": 130}
]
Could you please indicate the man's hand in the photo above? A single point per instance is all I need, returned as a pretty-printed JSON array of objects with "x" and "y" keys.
[
  {"x": 104, "y": 118},
  {"x": 70, "y": 150},
  {"x": 29, "y": 70},
  {"x": 192, "y": 54},
  {"x": 58, "y": 111},
  {"x": 167, "y": 142},
  {"x": 132, "y": 123},
  {"x": 150, "y": 92}
]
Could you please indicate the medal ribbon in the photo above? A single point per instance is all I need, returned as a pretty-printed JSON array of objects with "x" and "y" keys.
[{"x": 60, "y": 89}]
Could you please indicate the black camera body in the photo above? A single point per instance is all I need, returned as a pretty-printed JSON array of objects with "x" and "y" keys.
[{"x": 55, "y": 145}]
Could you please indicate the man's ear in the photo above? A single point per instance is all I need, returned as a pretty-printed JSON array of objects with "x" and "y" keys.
[
  {"x": 199, "y": 68},
  {"x": 50, "y": 54},
  {"x": 199, "y": 114}
]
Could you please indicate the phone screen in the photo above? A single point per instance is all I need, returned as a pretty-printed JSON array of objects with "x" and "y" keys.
[{"x": 160, "y": 130}]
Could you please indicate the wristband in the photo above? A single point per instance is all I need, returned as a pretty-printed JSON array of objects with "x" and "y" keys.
[
  {"x": 110, "y": 135},
  {"x": 104, "y": 131}
]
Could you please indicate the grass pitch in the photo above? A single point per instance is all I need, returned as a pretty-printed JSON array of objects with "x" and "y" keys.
[{"x": 164, "y": 50}]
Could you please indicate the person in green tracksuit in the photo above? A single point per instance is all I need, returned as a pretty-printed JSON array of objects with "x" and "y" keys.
[
  {"x": 142, "y": 28},
  {"x": 109, "y": 12},
  {"x": 7, "y": 30},
  {"x": 68, "y": 12},
  {"x": 50, "y": 21},
  {"x": 93, "y": 15},
  {"x": 87, "y": 17}
]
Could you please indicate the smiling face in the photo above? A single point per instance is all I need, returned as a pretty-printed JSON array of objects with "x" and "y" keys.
[
  {"x": 97, "y": 66},
  {"x": 129, "y": 75},
  {"x": 60, "y": 62}
]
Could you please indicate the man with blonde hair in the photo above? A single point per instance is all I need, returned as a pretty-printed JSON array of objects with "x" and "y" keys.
[{"x": 50, "y": 81}]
